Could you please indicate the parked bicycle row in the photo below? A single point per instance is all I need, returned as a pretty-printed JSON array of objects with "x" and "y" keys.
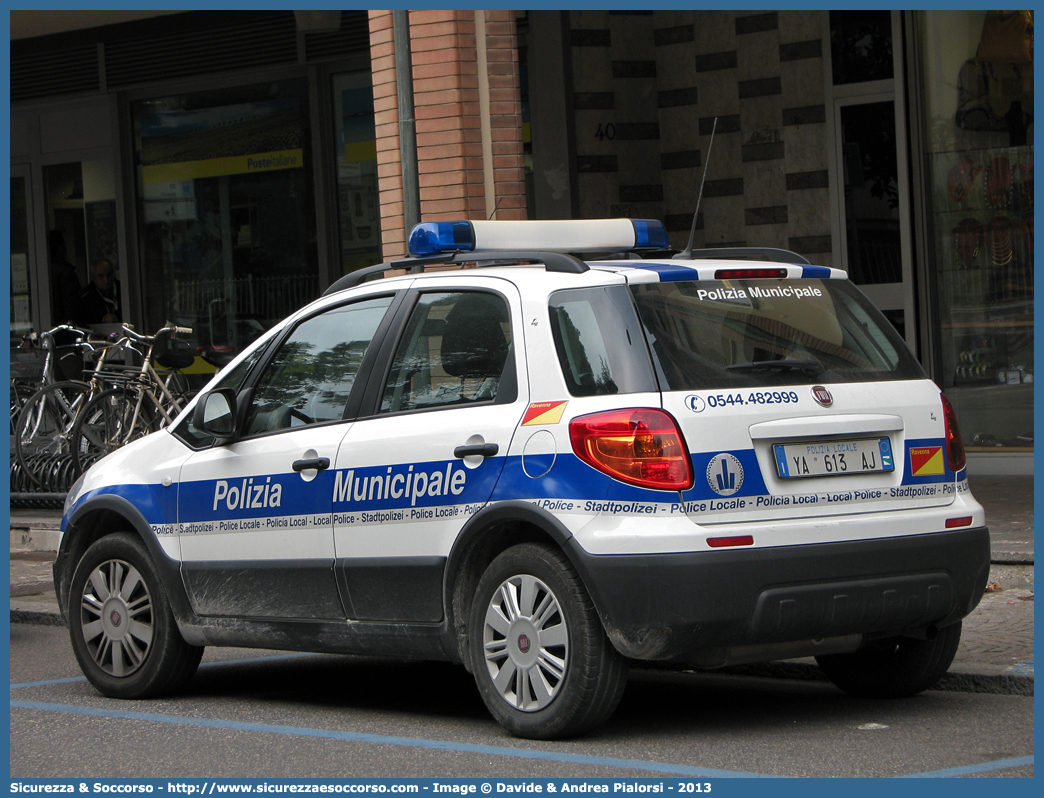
[{"x": 76, "y": 396}]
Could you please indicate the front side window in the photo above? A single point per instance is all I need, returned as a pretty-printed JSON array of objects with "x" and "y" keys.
[
  {"x": 739, "y": 333},
  {"x": 309, "y": 378},
  {"x": 455, "y": 351},
  {"x": 232, "y": 378}
]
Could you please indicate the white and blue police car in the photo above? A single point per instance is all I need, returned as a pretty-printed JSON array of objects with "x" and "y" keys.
[{"x": 528, "y": 453}]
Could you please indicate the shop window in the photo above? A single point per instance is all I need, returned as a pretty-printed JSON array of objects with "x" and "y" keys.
[
  {"x": 227, "y": 208},
  {"x": 358, "y": 203},
  {"x": 978, "y": 91}
]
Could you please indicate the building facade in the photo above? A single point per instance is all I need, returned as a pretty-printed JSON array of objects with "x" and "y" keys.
[{"x": 231, "y": 165}]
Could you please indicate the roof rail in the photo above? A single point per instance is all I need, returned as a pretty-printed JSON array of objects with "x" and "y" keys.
[
  {"x": 553, "y": 262},
  {"x": 751, "y": 253}
]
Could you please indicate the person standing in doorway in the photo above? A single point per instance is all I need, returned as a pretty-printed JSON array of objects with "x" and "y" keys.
[
  {"x": 65, "y": 283},
  {"x": 100, "y": 302}
]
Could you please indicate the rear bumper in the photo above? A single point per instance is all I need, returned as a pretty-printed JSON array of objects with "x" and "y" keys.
[{"x": 664, "y": 606}]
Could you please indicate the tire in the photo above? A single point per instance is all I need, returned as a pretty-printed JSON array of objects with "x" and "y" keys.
[
  {"x": 542, "y": 662},
  {"x": 896, "y": 667},
  {"x": 44, "y": 426},
  {"x": 126, "y": 641},
  {"x": 108, "y": 422}
]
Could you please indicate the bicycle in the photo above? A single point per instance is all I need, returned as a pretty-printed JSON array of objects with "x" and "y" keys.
[
  {"x": 145, "y": 403},
  {"x": 42, "y": 430},
  {"x": 43, "y": 359}
]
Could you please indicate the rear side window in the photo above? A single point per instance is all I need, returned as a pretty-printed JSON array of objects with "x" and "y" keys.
[
  {"x": 600, "y": 345},
  {"x": 456, "y": 350},
  {"x": 739, "y": 333}
]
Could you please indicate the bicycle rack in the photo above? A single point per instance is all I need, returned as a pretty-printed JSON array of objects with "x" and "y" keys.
[{"x": 57, "y": 475}]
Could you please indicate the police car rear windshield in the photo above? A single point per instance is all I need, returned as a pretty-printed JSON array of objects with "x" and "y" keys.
[{"x": 739, "y": 333}]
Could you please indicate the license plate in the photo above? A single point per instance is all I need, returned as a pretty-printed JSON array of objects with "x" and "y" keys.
[{"x": 833, "y": 458}]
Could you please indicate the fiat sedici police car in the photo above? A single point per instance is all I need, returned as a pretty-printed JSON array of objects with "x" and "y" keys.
[{"x": 544, "y": 467}]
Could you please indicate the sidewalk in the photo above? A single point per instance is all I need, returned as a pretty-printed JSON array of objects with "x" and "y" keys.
[{"x": 996, "y": 653}]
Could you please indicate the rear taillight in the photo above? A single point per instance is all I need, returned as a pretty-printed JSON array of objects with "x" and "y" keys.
[
  {"x": 641, "y": 447},
  {"x": 954, "y": 445}
]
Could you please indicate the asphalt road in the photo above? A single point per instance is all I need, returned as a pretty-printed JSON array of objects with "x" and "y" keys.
[{"x": 250, "y": 714}]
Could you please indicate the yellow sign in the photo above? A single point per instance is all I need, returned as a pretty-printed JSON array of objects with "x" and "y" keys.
[
  {"x": 926, "y": 461},
  {"x": 544, "y": 413},
  {"x": 216, "y": 167},
  {"x": 356, "y": 151}
]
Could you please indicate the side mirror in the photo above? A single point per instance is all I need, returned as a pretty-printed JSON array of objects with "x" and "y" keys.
[{"x": 215, "y": 414}]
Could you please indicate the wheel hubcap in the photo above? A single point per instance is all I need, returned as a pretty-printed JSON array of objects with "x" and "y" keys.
[
  {"x": 116, "y": 617},
  {"x": 526, "y": 643}
]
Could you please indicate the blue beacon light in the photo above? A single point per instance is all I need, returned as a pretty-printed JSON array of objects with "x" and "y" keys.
[
  {"x": 434, "y": 238},
  {"x": 649, "y": 234}
]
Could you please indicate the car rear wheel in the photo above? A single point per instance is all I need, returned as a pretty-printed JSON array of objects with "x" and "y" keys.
[
  {"x": 123, "y": 632},
  {"x": 896, "y": 667},
  {"x": 542, "y": 661}
]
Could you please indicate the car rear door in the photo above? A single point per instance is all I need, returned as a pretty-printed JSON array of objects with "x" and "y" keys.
[{"x": 429, "y": 450}]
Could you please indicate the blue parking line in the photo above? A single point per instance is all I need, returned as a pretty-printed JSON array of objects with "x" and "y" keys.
[
  {"x": 50, "y": 682},
  {"x": 982, "y": 767},
  {"x": 441, "y": 745},
  {"x": 554, "y": 756},
  {"x": 246, "y": 661}
]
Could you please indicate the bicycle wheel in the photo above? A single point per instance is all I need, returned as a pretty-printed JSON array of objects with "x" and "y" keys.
[
  {"x": 21, "y": 391},
  {"x": 110, "y": 420},
  {"x": 180, "y": 390},
  {"x": 44, "y": 426}
]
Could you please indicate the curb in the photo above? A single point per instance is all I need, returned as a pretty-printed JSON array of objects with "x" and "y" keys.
[
  {"x": 956, "y": 682},
  {"x": 37, "y": 618},
  {"x": 993, "y": 684}
]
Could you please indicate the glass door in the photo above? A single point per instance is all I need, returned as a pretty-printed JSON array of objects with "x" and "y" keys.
[
  {"x": 875, "y": 244},
  {"x": 22, "y": 292},
  {"x": 66, "y": 241}
]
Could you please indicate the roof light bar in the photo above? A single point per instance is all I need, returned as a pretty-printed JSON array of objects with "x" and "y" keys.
[{"x": 556, "y": 235}]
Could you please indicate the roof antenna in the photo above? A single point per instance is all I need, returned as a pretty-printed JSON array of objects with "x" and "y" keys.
[
  {"x": 686, "y": 254},
  {"x": 494, "y": 213}
]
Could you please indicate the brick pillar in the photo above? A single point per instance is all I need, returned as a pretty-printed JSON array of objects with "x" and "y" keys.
[
  {"x": 447, "y": 103},
  {"x": 505, "y": 115}
]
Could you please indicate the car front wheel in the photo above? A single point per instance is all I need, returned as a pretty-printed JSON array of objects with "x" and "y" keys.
[
  {"x": 123, "y": 632},
  {"x": 542, "y": 661}
]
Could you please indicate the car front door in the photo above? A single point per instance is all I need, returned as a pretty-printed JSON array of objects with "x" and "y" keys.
[{"x": 254, "y": 514}]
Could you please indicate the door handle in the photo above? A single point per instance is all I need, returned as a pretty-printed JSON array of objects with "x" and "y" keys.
[
  {"x": 484, "y": 449},
  {"x": 318, "y": 463}
]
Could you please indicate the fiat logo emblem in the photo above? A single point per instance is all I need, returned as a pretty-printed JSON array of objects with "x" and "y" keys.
[
  {"x": 115, "y": 618},
  {"x": 822, "y": 395},
  {"x": 523, "y": 643}
]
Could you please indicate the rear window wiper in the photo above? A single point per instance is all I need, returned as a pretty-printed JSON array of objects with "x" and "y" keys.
[{"x": 810, "y": 367}]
